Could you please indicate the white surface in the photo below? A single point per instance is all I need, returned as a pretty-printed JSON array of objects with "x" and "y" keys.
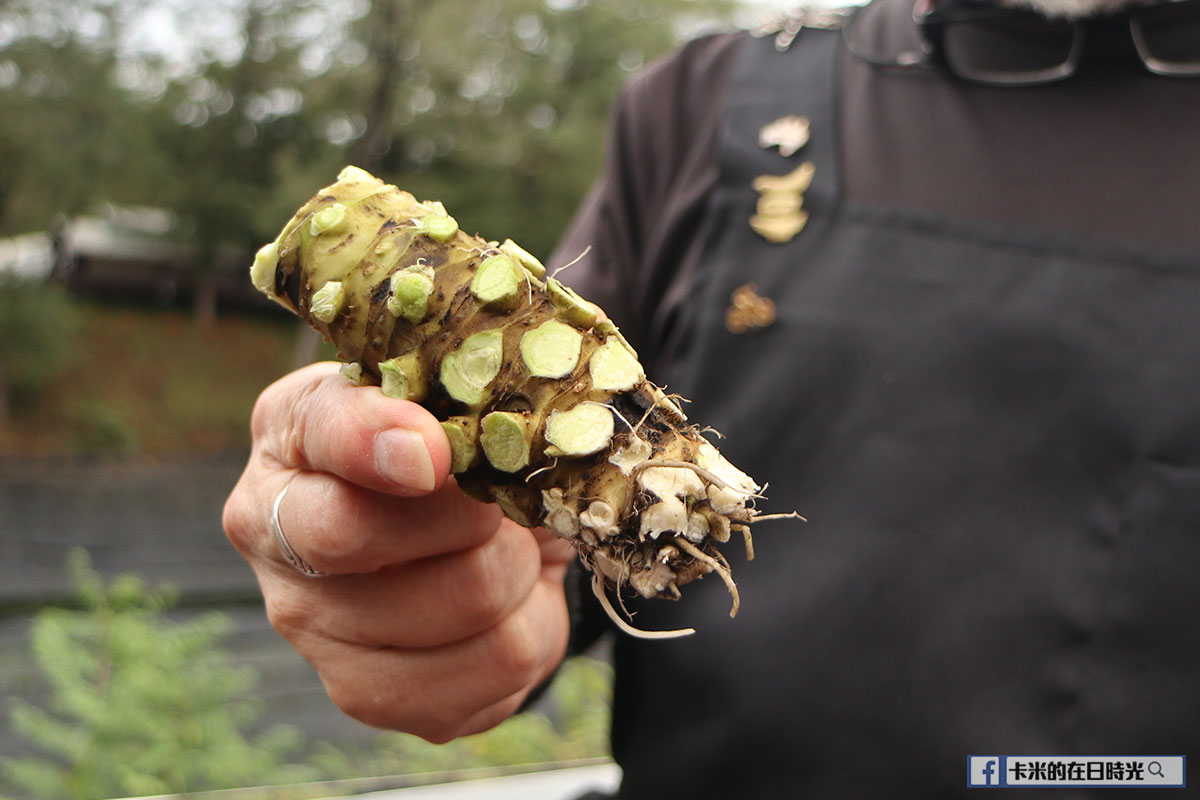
[
  {"x": 559, "y": 784},
  {"x": 30, "y": 256}
]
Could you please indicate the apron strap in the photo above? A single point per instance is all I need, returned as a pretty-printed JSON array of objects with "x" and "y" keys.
[{"x": 768, "y": 85}]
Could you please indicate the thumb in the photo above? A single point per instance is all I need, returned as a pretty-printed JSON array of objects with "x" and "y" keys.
[{"x": 314, "y": 419}]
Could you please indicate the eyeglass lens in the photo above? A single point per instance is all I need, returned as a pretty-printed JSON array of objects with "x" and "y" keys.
[
  {"x": 1010, "y": 50},
  {"x": 1168, "y": 38}
]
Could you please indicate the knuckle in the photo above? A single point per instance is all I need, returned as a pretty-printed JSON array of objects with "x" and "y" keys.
[
  {"x": 364, "y": 706},
  {"x": 262, "y": 412},
  {"x": 436, "y": 735},
  {"x": 332, "y": 530},
  {"x": 289, "y": 615},
  {"x": 281, "y": 419},
  {"x": 361, "y": 701},
  {"x": 520, "y": 650},
  {"x": 292, "y": 437},
  {"x": 492, "y": 716},
  {"x": 235, "y": 521},
  {"x": 358, "y": 702},
  {"x": 479, "y": 522},
  {"x": 487, "y": 600},
  {"x": 441, "y": 723},
  {"x": 494, "y": 580}
]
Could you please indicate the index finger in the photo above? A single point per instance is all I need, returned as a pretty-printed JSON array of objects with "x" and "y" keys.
[{"x": 314, "y": 419}]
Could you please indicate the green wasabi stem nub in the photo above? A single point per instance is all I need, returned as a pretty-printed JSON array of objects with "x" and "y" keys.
[
  {"x": 461, "y": 432},
  {"x": 505, "y": 439},
  {"x": 524, "y": 258},
  {"x": 262, "y": 272},
  {"x": 327, "y": 220},
  {"x": 439, "y": 227},
  {"x": 410, "y": 291},
  {"x": 605, "y": 327},
  {"x": 613, "y": 367},
  {"x": 353, "y": 372},
  {"x": 573, "y": 308},
  {"x": 327, "y": 301},
  {"x": 402, "y": 378},
  {"x": 467, "y": 372},
  {"x": 497, "y": 283},
  {"x": 551, "y": 350},
  {"x": 580, "y": 431}
]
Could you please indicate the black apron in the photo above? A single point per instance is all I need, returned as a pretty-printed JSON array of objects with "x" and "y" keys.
[{"x": 995, "y": 435}]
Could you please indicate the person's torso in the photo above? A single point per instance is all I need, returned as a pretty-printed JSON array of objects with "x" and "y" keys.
[{"x": 994, "y": 433}]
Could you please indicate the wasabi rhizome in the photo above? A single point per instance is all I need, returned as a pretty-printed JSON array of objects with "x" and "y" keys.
[{"x": 546, "y": 406}]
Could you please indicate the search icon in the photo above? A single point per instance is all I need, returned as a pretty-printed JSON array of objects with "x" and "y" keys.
[{"x": 1155, "y": 768}]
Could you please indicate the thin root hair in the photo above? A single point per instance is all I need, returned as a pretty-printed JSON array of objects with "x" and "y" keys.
[
  {"x": 645, "y": 417},
  {"x": 602, "y": 596},
  {"x": 546, "y": 468},
  {"x": 708, "y": 475},
  {"x": 572, "y": 262},
  {"x": 721, "y": 569},
  {"x": 769, "y": 517},
  {"x": 611, "y": 407}
]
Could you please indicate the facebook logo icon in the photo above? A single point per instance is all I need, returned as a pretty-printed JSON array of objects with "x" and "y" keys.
[{"x": 985, "y": 770}]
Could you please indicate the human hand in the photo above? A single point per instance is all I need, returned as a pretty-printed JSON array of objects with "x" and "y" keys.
[{"x": 436, "y": 615}]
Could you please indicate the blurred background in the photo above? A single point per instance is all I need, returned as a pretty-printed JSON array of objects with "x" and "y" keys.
[{"x": 147, "y": 148}]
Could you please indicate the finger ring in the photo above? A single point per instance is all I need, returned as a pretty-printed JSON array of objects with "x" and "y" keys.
[{"x": 291, "y": 555}]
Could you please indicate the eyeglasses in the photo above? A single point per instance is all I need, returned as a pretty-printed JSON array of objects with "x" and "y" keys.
[{"x": 990, "y": 44}]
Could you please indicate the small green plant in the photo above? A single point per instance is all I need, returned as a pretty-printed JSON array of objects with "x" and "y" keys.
[
  {"x": 38, "y": 325},
  {"x": 102, "y": 426},
  {"x": 139, "y": 703},
  {"x": 143, "y": 704}
]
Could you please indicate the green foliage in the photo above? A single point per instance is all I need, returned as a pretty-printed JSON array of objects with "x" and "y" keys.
[
  {"x": 38, "y": 327},
  {"x": 496, "y": 106},
  {"x": 102, "y": 426},
  {"x": 233, "y": 116},
  {"x": 72, "y": 135},
  {"x": 582, "y": 699},
  {"x": 140, "y": 704}
]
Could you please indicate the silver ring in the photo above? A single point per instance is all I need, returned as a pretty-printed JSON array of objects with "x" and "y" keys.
[{"x": 289, "y": 554}]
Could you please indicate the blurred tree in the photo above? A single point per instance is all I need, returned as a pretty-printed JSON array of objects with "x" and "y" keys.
[
  {"x": 38, "y": 341},
  {"x": 229, "y": 120},
  {"x": 231, "y": 112},
  {"x": 498, "y": 107},
  {"x": 140, "y": 704},
  {"x": 71, "y": 134}
]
